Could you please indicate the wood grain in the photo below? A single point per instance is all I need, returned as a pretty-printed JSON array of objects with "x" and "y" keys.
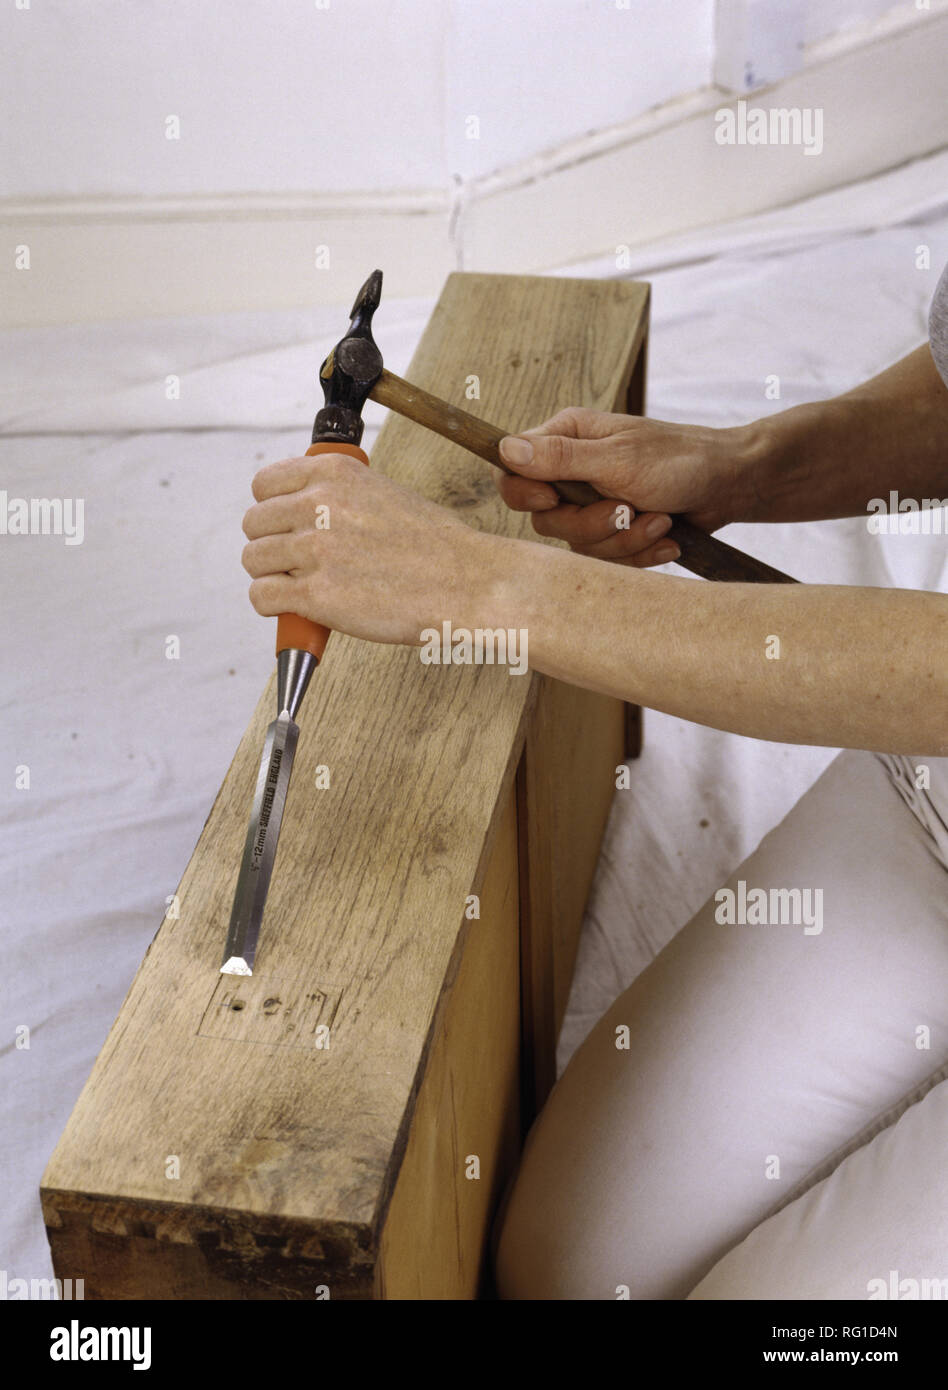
[{"x": 288, "y": 1154}]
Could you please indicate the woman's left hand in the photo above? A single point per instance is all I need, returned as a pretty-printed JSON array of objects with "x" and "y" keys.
[{"x": 343, "y": 546}]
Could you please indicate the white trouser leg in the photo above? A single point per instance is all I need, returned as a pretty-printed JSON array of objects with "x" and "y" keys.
[
  {"x": 876, "y": 1228},
  {"x": 758, "y": 1057}
]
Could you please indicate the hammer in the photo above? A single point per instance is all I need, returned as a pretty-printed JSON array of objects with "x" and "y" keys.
[{"x": 353, "y": 373}]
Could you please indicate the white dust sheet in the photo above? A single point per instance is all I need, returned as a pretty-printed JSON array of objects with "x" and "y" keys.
[{"x": 127, "y": 749}]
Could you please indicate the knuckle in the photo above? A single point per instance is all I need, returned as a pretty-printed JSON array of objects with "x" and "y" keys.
[
  {"x": 558, "y": 453},
  {"x": 560, "y": 420},
  {"x": 516, "y": 494},
  {"x": 323, "y": 468},
  {"x": 630, "y": 542},
  {"x": 579, "y": 416},
  {"x": 259, "y": 486},
  {"x": 567, "y": 420},
  {"x": 337, "y": 465},
  {"x": 261, "y": 479},
  {"x": 320, "y": 493}
]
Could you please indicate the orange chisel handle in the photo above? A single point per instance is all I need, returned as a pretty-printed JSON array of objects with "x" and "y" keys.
[{"x": 292, "y": 630}]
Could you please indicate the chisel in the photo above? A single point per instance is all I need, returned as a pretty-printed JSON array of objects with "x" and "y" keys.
[{"x": 300, "y": 643}]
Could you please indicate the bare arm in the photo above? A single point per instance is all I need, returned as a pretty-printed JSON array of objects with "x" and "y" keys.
[
  {"x": 843, "y": 667},
  {"x": 851, "y": 667},
  {"x": 826, "y": 459},
  {"x": 840, "y": 667},
  {"x": 830, "y": 458}
]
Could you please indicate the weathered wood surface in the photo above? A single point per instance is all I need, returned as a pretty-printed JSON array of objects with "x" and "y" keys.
[{"x": 288, "y": 1154}]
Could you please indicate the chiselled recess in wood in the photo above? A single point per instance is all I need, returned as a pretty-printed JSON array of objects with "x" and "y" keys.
[
  {"x": 318, "y": 1139},
  {"x": 276, "y": 1013}
]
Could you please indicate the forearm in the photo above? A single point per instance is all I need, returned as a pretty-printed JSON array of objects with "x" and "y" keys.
[
  {"x": 830, "y": 458},
  {"x": 832, "y": 666}
]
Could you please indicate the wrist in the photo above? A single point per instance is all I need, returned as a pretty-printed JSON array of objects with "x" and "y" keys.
[
  {"x": 773, "y": 465},
  {"x": 552, "y": 599},
  {"x": 499, "y": 581}
]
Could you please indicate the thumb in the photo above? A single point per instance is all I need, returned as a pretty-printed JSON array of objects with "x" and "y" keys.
[{"x": 536, "y": 454}]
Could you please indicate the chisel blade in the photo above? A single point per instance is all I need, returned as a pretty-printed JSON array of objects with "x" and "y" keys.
[{"x": 260, "y": 847}]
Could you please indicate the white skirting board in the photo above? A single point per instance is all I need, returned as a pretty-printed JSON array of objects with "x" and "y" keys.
[{"x": 880, "y": 90}]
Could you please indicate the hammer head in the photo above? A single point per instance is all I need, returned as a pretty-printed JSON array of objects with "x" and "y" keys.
[{"x": 350, "y": 371}]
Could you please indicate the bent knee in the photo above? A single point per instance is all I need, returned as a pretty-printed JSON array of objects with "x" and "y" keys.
[{"x": 563, "y": 1233}]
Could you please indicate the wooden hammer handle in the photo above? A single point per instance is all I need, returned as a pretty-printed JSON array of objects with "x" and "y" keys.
[{"x": 701, "y": 553}]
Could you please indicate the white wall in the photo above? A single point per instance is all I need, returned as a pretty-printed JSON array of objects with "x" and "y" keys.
[
  {"x": 287, "y": 96},
  {"x": 272, "y": 95},
  {"x": 283, "y": 96},
  {"x": 829, "y": 16},
  {"x": 342, "y": 125},
  {"x": 542, "y": 72}
]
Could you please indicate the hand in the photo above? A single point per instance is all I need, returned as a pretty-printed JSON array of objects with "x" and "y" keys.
[
  {"x": 655, "y": 468},
  {"x": 389, "y": 564}
]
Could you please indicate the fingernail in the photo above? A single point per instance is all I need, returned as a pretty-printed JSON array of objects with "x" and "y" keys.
[
  {"x": 658, "y": 526},
  {"x": 540, "y": 500},
  {"x": 664, "y": 553},
  {"x": 516, "y": 451}
]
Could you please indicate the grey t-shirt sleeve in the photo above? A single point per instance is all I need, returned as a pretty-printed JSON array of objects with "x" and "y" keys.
[{"x": 938, "y": 326}]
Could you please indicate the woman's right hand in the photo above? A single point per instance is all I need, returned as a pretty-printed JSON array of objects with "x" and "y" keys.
[{"x": 655, "y": 468}]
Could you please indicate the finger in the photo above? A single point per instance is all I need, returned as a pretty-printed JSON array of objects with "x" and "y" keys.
[
  {"x": 582, "y": 525},
  {"x": 275, "y": 594},
  {"x": 271, "y": 555},
  {"x": 658, "y": 553},
  {"x": 580, "y": 422},
  {"x": 271, "y": 518},
  {"x": 522, "y": 495},
  {"x": 552, "y": 456},
  {"x": 664, "y": 553},
  {"x": 644, "y": 534},
  {"x": 275, "y": 479}
]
